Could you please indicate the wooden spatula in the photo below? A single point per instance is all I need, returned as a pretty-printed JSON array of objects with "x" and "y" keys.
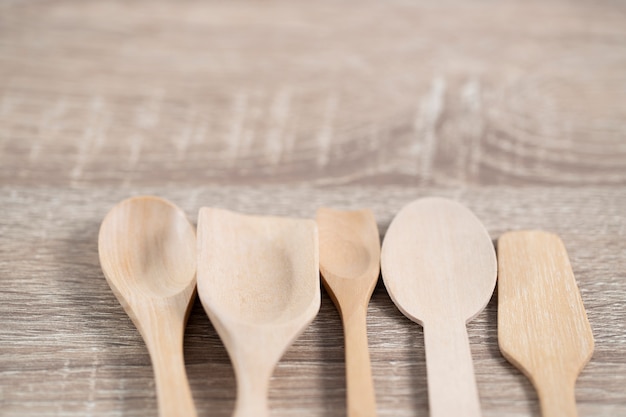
[
  {"x": 350, "y": 265},
  {"x": 542, "y": 324},
  {"x": 258, "y": 280}
]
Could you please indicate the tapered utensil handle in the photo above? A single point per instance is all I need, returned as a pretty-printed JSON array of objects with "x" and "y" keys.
[
  {"x": 253, "y": 371},
  {"x": 360, "y": 388},
  {"x": 557, "y": 396},
  {"x": 452, "y": 387},
  {"x": 252, "y": 393},
  {"x": 165, "y": 344}
]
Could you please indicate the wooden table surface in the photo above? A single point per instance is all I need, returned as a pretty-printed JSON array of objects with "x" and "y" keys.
[{"x": 516, "y": 109}]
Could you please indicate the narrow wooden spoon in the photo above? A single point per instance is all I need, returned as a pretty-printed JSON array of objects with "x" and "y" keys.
[
  {"x": 147, "y": 253},
  {"x": 542, "y": 324},
  {"x": 350, "y": 265},
  {"x": 439, "y": 267},
  {"x": 258, "y": 280}
]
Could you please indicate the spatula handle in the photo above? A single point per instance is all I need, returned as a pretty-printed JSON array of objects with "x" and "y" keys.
[
  {"x": 452, "y": 387},
  {"x": 360, "y": 388},
  {"x": 557, "y": 396},
  {"x": 253, "y": 379}
]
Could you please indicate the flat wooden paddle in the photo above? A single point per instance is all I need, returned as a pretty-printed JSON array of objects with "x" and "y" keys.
[
  {"x": 350, "y": 265},
  {"x": 258, "y": 280},
  {"x": 542, "y": 324},
  {"x": 439, "y": 267},
  {"x": 147, "y": 251}
]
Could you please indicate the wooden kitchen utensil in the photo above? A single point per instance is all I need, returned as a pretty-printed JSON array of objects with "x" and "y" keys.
[
  {"x": 350, "y": 265},
  {"x": 258, "y": 280},
  {"x": 542, "y": 324},
  {"x": 439, "y": 267},
  {"x": 147, "y": 251}
]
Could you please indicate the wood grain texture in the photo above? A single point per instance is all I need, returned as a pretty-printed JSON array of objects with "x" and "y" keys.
[
  {"x": 286, "y": 91},
  {"x": 542, "y": 324},
  {"x": 516, "y": 109},
  {"x": 67, "y": 347}
]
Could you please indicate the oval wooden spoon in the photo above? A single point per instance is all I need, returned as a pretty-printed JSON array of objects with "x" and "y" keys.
[
  {"x": 258, "y": 280},
  {"x": 147, "y": 253},
  {"x": 350, "y": 265},
  {"x": 439, "y": 267},
  {"x": 542, "y": 324}
]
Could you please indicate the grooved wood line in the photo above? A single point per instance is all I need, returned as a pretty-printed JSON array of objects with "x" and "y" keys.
[
  {"x": 68, "y": 349},
  {"x": 355, "y": 92}
]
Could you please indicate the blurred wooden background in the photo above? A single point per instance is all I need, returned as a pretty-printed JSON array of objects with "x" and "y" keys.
[{"x": 517, "y": 109}]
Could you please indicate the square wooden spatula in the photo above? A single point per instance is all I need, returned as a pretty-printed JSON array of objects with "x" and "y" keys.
[{"x": 542, "y": 324}]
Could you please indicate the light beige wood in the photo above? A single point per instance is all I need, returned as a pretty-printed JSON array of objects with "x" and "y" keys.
[
  {"x": 67, "y": 348},
  {"x": 258, "y": 280},
  {"x": 350, "y": 264},
  {"x": 242, "y": 92},
  {"x": 542, "y": 324},
  {"x": 439, "y": 267},
  {"x": 147, "y": 252}
]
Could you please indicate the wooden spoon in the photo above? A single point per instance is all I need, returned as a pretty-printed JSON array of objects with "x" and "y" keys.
[
  {"x": 258, "y": 280},
  {"x": 350, "y": 265},
  {"x": 542, "y": 324},
  {"x": 147, "y": 253},
  {"x": 439, "y": 267}
]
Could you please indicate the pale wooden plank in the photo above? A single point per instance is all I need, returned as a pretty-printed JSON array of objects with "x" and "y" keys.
[{"x": 453, "y": 93}]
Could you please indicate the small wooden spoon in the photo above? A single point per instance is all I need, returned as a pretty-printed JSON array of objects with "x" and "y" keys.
[
  {"x": 350, "y": 265},
  {"x": 147, "y": 253},
  {"x": 258, "y": 280},
  {"x": 439, "y": 267},
  {"x": 542, "y": 324}
]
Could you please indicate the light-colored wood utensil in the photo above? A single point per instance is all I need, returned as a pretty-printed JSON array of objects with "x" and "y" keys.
[
  {"x": 439, "y": 267},
  {"x": 350, "y": 265},
  {"x": 258, "y": 280},
  {"x": 542, "y": 324},
  {"x": 147, "y": 251}
]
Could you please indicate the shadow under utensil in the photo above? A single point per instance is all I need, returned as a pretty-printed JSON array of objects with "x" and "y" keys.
[
  {"x": 406, "y": 364},
  {"x": 89, "y": 328},
  {"x": 331, "y": 351},
  {"x": 209, "y": 369}
]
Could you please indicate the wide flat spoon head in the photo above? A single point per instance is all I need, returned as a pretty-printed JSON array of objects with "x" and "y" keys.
[
  {"x": 542, "y": 324},
  {"x": 438, "y": 262}
]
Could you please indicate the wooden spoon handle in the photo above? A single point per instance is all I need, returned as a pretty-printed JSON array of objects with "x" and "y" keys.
[
  {"x": 360, "y": 388},
  {"x": 165, "y": 345},
  {"x": 253, "y": 379},
  {"x": 452, "y": 387}
]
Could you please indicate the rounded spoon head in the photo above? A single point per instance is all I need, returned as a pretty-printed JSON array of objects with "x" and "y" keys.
[
  {"x": 349, "y": 244},
  {"x": 438, "y": 261},
  {"x": 147, "y": 249}
]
